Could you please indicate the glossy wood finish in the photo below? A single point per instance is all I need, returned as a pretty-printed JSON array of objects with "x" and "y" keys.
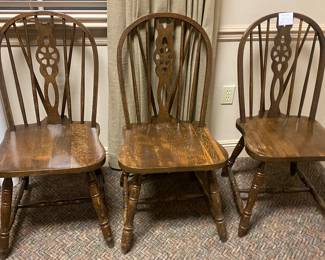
[
  {"x": 171, "y": 99},
  {"x": 209, "y": 184},
  {"x": 287, "y": 130},
  {"x": 57, "y": 141},
  {"x": 52, "y": 34},
  {"x": 165, "y": 112},
  {"x": 257, "y": 183},
  {"x": 97, "y": 197},
  {"x": 283, "y": 139},
  {"x": 238, "y": 149},
  {"x": 170, "y": 147},
  {"x": 131, "y": 201},
  {"x": 50, "y": 149},
  {"x": 6, "y": 199},
  {"x": 285, "y": 59}
]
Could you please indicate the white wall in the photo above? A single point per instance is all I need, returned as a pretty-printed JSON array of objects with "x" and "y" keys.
[{"x": 238, "y": 13}]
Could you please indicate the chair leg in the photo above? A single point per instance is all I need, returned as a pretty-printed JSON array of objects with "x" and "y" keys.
[
  {"x": 257, "y": 183},
  {"x": 26, "y": 182},
  {"x": 97, "y": 198},
  {"x": 124, "y": 178},
  {"x": 293, "y": 168},
  {"x": 238, "y": 149},
  {"x": 132, "y": 200},
  {"x": 6, "y": 201},
  {"x": 216, "y": 205},
  {"x": 100, "y": 180}
]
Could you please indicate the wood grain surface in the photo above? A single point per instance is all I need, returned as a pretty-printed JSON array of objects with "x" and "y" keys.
[
  {"x": 283, "y": 138},
  {"x": 50, "y": 149},
  {"x": 170, "y": 147}
]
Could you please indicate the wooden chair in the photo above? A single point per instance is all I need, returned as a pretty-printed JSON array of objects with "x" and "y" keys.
[
  {"x": 165, "y": 116},
  {"x": 39, "y": 60},
  {"x": 290, "y": 67}
]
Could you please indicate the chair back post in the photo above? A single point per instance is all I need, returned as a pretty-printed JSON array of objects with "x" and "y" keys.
[
  {"x": 39, "y": 36},
  {"x": 280, "y": 49},
  {"x": 168, "y": 93}
]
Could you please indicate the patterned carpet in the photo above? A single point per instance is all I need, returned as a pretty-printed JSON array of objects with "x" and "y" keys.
[{"x": 287, "y": 226}]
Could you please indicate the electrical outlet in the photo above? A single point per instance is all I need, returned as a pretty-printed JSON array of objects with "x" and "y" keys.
[{"x": 228, "y": 92}]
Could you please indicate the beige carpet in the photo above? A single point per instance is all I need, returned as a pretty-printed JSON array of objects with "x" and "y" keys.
[{"x": 287, "y": 226}]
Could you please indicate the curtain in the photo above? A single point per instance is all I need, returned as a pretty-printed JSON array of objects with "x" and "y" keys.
[{"x": 121, "y": 13}]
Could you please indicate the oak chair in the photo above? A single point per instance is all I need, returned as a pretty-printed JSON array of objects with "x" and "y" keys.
[
  {"x": 282, "y": 67},
  {"x": 46, "y": 113},
  {"x": 165, "y": 128}
]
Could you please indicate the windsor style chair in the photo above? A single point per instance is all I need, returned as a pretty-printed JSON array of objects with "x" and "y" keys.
[
  {"x": 290, "y": 67},
  {"x": 165, "y": 128},
  {"x": 46, "y": 139}
]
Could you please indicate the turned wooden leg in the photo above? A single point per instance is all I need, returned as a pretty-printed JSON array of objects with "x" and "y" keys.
[
  {"x": 6, "y": 199},
  {"x": 239, "y": 147},
  {"x": 133, "y": 197},
  {"x": 125, "y": 177},
  {"x": 216, "y": 205},
  {"x": 122, "y": 180},
  {"x": 257, "y": 183},
  {"x": 293, "y": 168},
  {"x": 26, "y": 182},
  {"x": 319, "y": 199},
  {"x": 100, "y": 180},
  {"x": 97, "y": 198}
]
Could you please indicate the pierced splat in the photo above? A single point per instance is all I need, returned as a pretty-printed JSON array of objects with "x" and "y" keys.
[
  {"x": 47, "y": 56},
  {"x": 164, "y": 57},
  {"x": 170, "y": 83},
  {"x": 280, "y": 55}
]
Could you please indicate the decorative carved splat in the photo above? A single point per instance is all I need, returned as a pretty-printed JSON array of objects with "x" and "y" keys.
[
  {"x": 280, "y": 55},
  {"x": 164, "y": 57},
  {"x": 47, "y": 56}
]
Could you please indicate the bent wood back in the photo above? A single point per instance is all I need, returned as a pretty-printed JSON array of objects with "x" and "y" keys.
[
  {"x": 167, "y": 59},
  {"x": 282, "y": 66},
  {"x": 61, "y": 82}
]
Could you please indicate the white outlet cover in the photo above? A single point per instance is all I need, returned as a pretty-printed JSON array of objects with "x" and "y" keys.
[{"x": 228, "y": 92}]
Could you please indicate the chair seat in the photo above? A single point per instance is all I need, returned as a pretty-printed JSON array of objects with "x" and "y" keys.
[
  {"x": 169, "y": 147},
  {"x": 283, "y": 138},
  {"x": 50, "y": 149}
]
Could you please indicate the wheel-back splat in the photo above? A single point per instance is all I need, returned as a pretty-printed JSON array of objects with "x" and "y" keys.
[
  {"x": 280, "y": 55},
  {"x": 164, "y": 58},
  {"x": 47, "y": 56}
]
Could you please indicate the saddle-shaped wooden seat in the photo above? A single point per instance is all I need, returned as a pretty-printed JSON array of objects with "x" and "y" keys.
[
  {"x": 283, "y": 138},
  {"x": 170, "y": 147},
  {"x": 50, "y": 149}
]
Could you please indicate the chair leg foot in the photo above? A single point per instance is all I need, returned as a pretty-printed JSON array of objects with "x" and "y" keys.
[
  {"x": 130, "y": 209},
  {"x": 238, "y": 149},
  {"x": 126, "y": 241},
  {"x": 244, "y": 225},
  {"x": 216, "y": 206},
  {"x": 257, "y": 183},
  {"x": 6, "y": 200},
  {"x": 97, "y": 198}
]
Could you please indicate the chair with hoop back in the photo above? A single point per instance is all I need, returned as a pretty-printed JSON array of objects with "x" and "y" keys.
[
  {"x": 48, "y": 132},
  {"x": 165, "y": 112},
  {"x": 280, "y": 74}
]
